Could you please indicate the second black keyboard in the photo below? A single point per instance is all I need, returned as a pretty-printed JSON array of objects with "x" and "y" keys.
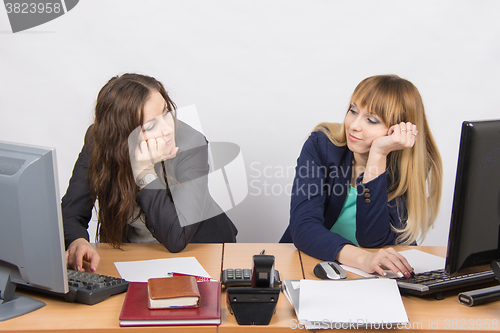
[{"x": 438, "y": 281}]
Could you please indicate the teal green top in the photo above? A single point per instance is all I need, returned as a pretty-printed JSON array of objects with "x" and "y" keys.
[{"x": 346, "y": 223}]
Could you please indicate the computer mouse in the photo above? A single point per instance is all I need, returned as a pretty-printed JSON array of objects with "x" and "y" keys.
[{"x": 329, "y": 270}]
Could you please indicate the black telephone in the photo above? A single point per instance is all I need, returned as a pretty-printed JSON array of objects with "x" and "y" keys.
[{"x": 252, "y": 294}]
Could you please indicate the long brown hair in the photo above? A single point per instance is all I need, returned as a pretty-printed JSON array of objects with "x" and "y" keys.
[
  {"x": 415, "y": 174},
  {"x": 118, "y": 111}
]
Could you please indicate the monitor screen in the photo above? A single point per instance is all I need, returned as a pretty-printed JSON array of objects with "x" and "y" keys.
[
  {"x": 31, "y": 230},
  {"x": 474, "y": 237}
]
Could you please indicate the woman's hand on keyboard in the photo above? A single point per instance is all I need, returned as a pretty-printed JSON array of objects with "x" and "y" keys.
[
  {"x": 388, "y": 258},
  {"x": 375, "y": 262},
  {"x": 80, "y": 250}
]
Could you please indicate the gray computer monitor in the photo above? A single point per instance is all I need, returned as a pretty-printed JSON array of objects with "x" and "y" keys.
[{"x": 31, "y": 229}]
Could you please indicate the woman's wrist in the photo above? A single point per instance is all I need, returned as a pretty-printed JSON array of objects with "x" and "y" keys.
[
  {"x": 375, "y": 166},
  {"x": 146, "y": 179},
  {"x": 350, "y": 255},
  {"x": 77, "y": 241}
]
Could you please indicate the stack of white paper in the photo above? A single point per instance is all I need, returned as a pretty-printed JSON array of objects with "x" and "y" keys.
[
  {"x": 142, "y": 270},
  {"x": 370, "y": 303}
]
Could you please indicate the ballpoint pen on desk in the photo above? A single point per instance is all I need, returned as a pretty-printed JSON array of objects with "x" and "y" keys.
[{"x": 198, "y": 278}]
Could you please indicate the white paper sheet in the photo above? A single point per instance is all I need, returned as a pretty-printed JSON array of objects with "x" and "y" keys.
[
  {"x": 141, "y": 271},
  {"x": 419, "y": 260},
  {"x": 360, "y": 302}
]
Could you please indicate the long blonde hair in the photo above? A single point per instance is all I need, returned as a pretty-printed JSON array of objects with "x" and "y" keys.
[{"x": 415, "y": 174}]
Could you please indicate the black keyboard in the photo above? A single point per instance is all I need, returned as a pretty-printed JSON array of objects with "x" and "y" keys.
[
  {"x": 438, "y": 281},
  {"x": 92, "y": 288}
]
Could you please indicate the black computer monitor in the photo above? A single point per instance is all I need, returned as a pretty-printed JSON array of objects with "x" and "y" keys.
[
  {"x": 474, "y": 237},
  {"x": 31, "y": 230}
]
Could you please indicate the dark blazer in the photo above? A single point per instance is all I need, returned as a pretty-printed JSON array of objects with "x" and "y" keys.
[
  {"x": 320, "y": 187},
  {"x": 170, "y": 225}
]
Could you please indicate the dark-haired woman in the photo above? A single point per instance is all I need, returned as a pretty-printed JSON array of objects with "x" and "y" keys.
[{"x": 146, "y": 174}]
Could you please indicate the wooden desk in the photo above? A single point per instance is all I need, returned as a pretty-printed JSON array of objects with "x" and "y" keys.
[
  {"x": 427, "y": 314},
  {"x": 287, "y": 262},
  {"x": 62, "y": 316}
]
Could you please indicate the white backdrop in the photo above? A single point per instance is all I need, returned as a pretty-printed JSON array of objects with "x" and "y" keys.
[{"x": 262, "y": 74}]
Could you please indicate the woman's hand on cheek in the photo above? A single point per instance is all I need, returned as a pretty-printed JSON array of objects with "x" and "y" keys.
[
  {"x": 164, "y": 150},
  {"x": 146, "y": 152},
  {"x": 399, "y": 136},
  {"x": 140, "y": 158},
  {"x": 143, "y": 154}
]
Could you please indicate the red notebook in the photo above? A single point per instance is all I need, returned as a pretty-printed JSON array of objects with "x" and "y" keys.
[{"x": 135, "y": 311}]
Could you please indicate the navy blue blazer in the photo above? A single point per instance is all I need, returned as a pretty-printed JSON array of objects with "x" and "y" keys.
[{"x": 320, "y": 187}]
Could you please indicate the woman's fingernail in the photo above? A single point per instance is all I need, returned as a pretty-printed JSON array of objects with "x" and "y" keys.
[
  {"x": 384, "y": 273},
  {"x": 407, "y": 275},
  {"x": 400, "y": 274}
]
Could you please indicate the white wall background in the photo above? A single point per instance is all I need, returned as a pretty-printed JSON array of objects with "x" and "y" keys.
[{"x": 262, "y": 74}]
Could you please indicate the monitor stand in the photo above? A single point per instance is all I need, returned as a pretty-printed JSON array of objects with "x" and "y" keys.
[
  {"x": 18, "y": 306},
  {"x": 14, "y": 305}
]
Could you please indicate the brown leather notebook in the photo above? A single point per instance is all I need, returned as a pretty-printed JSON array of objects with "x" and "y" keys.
[{"x": 173, "y": 292}]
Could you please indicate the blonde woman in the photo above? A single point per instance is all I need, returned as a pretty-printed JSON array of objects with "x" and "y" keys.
[{"x": 374, "y": 180}]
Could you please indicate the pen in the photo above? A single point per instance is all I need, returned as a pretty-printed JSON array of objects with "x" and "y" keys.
[
  {"x": 198, "y": 278},
  {"x": 262, "y": 252}
]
